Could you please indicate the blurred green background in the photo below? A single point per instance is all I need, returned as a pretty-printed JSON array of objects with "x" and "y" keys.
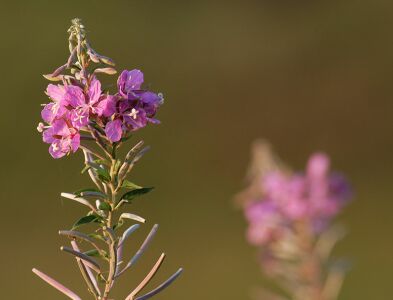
[{"x": 307, "y": 75}]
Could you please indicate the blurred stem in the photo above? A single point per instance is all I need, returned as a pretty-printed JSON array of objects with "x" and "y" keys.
[{"x": 311, "y": 267}]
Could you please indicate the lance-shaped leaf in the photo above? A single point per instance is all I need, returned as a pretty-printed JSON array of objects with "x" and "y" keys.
[
  {"x": 136, "y": 192},
  {"x": 132, "y": 217},
  {"x": 101, "y": 205},
  {"x": 90, "y": 192},
  {"x": 87, "y": 260},
  {"x": 128, "y": 232},
  {"x": 79, "y": 235},
  {"x": 85, "y": 220},
  {"x": 57, "y": 285},
  {"x": 130, "y": 185},
  {"x": 102, "y": 173},
  {"x": 161, "y": 287},
  {"x": 125, "y": 235},
  {"x": 141, "y": 250},
  {"x": 79, "y": 200},
  {"x": 147, "y": 279},
  {"x": 86, "y": 272}
]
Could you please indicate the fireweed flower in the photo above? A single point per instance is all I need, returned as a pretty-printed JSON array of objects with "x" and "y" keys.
[
  {"x": 62, "y": 137},
  {"x": 81, "y": 114},
  {"x": 56, "y": 108},
  {"x": 289, "y": 218},
  {"x": 83, "y": 103},
  {"x": 135, "y": 107}
]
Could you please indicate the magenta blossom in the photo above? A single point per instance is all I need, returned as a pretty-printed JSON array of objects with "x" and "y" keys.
[
  {"x": 135, "y": 107},
  {"x": 85, "y": 104},
  {"x": 129, "y": 82},
  {"x": 315, "y": 197},
  {"x": 63, "y": 138},
  {"x": 56, "y": 108}
]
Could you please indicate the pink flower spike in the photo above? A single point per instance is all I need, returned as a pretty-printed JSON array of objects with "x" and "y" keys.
[{"x": 57, "y": 285}]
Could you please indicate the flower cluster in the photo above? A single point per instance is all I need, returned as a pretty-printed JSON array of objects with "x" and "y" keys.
[
  {"x": 289, "y": 219},
  {"x": 314, "y": 197},
  {"x": 76, "y": 105}
]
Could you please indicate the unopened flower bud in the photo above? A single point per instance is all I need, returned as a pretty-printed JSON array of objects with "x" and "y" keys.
[
  {"x": 109, "y": 71},
  {"x": 107, "y": 60},
  {"x": 93, "y": 56},
  {"x": 59, "y": 70},
  {"x": 50, "y": 77}
]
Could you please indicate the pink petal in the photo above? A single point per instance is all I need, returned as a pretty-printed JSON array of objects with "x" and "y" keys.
[
  {"x": 47, "y": 136},
  {"x": 60, "y": 127},
  {"x": 47, "y": 113},
  {"x": 74, "y": 96},
  {"x": 94, "y": 90},
  {"x": 134, "y": 80},
  {"x": 75, "y": 142},
  {"x": 80, "y": 117},
  {"x": 55, "y": 92},
  {"x": 107, "y": 106},
  {"x": 55, "y": 149},
  {"x": 318, "y": 165},
  {"x": 113, "y": 130}
]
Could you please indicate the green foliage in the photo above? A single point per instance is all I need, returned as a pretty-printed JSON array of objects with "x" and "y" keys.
[
  {"x": 136, "y": 193},
  {"x": 90, "y": 192},
  {"x": 104, "y": 206},
  {"x": 86, "y": 220}
]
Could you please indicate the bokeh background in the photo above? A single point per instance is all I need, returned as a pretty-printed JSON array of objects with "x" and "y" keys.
[{"x": 307, "y": 75}]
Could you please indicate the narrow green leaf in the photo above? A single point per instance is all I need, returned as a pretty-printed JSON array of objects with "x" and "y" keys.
[
  {"x": 89, "y": 192},
  {"x": 130, "y": 185},
  {"x": 104, "y": 206},
  {"x": 92, "y": 252},
  {"x": 95, "y": 253},
  {"x": 102, "y": 173},
  {"x": 136, "y": 193},
  {"x": 85, "y": 220}
]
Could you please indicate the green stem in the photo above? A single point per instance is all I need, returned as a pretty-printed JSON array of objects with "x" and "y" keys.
[{"x": 112, "y": 243}]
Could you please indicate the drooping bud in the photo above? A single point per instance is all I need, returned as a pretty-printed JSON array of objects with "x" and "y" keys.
[
  {"x": 106, "y": 60},
  {"x": 109, "y": 71},
  {"x": 93, "y": 55}
]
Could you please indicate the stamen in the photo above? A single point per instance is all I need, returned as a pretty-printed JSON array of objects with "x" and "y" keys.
[
  {"x": 55, "y": 147},
  {"x": 133, "y": 114}
]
